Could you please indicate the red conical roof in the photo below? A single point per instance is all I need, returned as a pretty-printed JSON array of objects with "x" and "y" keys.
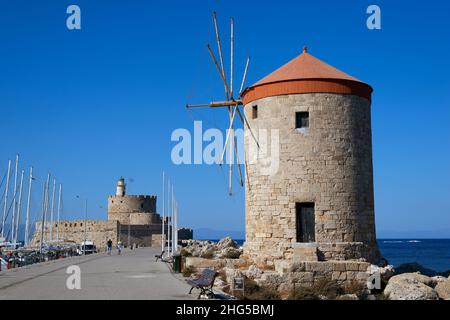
[{"x": 306, "y": 74}]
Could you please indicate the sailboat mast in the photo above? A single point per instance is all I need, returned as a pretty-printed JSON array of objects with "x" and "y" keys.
[
  {"x": 164, "y": 213},
  {"x": 176, "y": 226},
  {"x": 173, "y": 231},
  {"x": 168, "y": 219},
  {"x": 44, "y": 208},
  {"x": 59, "y": 211},
  {"x": 52, "y": 209},
  {"x": 5, "y": 204},
  {"x": 13, "y": 221},
  {"x": 27, "y": 220},
  {"x": 19, "y": 208}
]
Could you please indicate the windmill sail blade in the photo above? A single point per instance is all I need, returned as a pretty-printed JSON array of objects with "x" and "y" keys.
[
  {"x": 228, "y": 135},
  {"x": 245, "y": 122},
  {"x": 237, "y": 162},
  {"x": 222, "y": 76},
  {"x": 232, "y": 57},
  {"x": 246, "y": 171},
  {"x": 230, "y": 170},
  {"x": 219, "y": 46},
  {"x": 215, "y": 104},
  {"x": 244, "y": 77}
]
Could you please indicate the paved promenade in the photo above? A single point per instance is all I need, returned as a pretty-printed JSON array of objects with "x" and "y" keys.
[{"x": 132, "y": 275}]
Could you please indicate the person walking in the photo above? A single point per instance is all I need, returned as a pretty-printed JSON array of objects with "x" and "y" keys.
[
  {"x": 119, "y": 247},
  {"x": 109, "y": 246}
]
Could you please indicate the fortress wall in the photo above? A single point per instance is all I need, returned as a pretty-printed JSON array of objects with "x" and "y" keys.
[
  {"x": 140, "y": 235},
  {"x": 98, "y": 231}
]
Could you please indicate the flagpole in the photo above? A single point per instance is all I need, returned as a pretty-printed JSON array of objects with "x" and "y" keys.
[
  {"x": 173, "y": 221},
  {"x": 52, "y": 210},
  {"x": 27, "y": 220},
  {"x": 59, "y": 211},
  {"x": 168, "y": 218},
  {"x": 164, "y": 214},
  {"x": 13, "y": 221},
  {"x": 5, "y": 204},
  {"x": 19, "y": 208}
]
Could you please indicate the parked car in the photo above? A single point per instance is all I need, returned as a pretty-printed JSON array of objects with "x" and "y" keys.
[
  {"x": 3, "y": 263},
  {"x": 86, "y": 247}
]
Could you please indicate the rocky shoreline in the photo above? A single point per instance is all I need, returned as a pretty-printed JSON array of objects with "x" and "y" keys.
[{"x": 339, "y": 280}]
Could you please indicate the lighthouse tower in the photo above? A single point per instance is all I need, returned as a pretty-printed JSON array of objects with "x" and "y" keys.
[
  {"x": 317, "y": 201},
  {"x": 121, "y": 188}
]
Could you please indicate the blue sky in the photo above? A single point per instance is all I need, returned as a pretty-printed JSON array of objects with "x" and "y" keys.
[{"x": 99, "y": 103}]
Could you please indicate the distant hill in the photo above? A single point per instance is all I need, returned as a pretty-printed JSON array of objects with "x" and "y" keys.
[{"x": 211, "y": 234}]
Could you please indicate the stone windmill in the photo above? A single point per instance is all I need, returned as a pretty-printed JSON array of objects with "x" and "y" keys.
[{"x": 319, "y": 203}]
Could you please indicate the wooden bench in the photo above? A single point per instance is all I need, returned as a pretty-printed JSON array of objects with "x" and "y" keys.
[{"x": 204, "y": 283}]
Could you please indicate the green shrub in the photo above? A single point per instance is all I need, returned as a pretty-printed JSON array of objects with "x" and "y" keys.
[
  {"x": 382, "y": 296},
  {"x": 208, "y": 254},
  {"x": 185, "y": 253},
  {"x": 355, "y": 287},
  {"x": 321, "y": 288},
  {"x": 255, "y": 292},
  {"x": 223, "y": 276}
]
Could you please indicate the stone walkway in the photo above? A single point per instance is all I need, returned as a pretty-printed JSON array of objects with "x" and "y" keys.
[{"x": 133, "y": 275}]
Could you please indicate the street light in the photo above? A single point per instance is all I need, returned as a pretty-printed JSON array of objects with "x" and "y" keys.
[{"x": 85, "y": 225}]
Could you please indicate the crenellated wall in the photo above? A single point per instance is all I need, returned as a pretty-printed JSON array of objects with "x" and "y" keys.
[{"x": 132, "y": 209}]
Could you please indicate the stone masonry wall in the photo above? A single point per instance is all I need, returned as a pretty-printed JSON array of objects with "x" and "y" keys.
[
  {"x": 120, "y": 208},
  {"x": 329, "y": 164},
  {"x": 74, "y": 231}
]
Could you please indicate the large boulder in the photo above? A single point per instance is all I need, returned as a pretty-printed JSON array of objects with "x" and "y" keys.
[
  {"x": 438, "y": 279},
  {"x": 416, "y": 276},
  {"x": 443, "y": 290},
  {"x": 227, "y": 243},
  {"x": 410, "y": 286},
  {"x": 197, "y": 248},
  {"x": 254, "y": 272},
  {"x": 208, "y": 251},
  {"x": 230, "y": 253}
]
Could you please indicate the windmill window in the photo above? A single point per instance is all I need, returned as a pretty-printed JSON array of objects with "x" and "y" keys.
[
  {"x": 301, "y": 120},
  {"x": 254, "y": 112}
]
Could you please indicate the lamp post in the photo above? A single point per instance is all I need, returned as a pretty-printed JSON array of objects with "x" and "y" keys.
[
  {"x": 85, "y": 224},
  {"x": 83, "y": 247}
]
